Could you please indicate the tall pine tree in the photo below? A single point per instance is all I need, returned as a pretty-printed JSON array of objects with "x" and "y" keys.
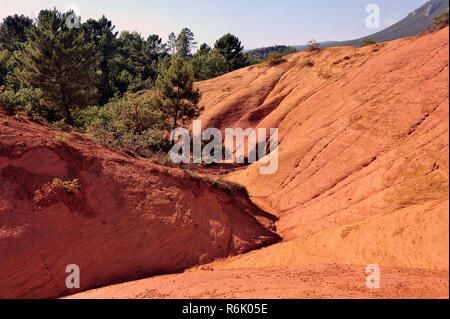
[
  {"x": 102, "y": 34},
  {"x": 230, "y": 47},
  {"x": 178, "y": 100},
  {"x": 58, "y": 61},
  {"x": 185, "y": 43}
]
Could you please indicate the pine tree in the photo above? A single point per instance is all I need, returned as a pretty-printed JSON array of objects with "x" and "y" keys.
[
  {"x": 58, "y": 61},
  {"x": 13, "y": 31},
  {"x": 172, "y": 43},
  {"x": 178, "y": 100},
  {"x": 203, "y": 50},
  {"x": 102, "y": 34},
  {"x": 185, "y": 43},
  {"x": 155, "y": 47},
  {"x": 208, "y": 65},
  {"x": 154, "y": 50},
  {"x": 230, "y": 47}
]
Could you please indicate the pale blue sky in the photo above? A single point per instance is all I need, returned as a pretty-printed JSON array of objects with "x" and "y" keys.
[{"x": 257, "y": 23}]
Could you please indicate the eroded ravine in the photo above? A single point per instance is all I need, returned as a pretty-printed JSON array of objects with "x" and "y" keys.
[
  {"x": 129, "y": 218},
  {"x": 363, "y": 179}
]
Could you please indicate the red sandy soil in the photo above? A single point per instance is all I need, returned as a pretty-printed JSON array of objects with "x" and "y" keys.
[
  {"x": 363, "y": 179},
  {"x": 363, "y": 176},
  {"x": 318, "y": 282},
  {"x": 130, "y": 219}
]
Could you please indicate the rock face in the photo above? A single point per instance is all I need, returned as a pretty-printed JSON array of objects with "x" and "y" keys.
[
  {"x": 364, "y": 152},
  {"x": 130, "y": 218}
]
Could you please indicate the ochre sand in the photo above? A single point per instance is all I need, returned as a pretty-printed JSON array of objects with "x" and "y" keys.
[
  {"x": 363, "y": 179},
  {"x": 363, "y": 176}
]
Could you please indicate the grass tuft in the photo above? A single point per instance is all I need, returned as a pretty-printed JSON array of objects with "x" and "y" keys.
[{"x": 71, "y": 187}]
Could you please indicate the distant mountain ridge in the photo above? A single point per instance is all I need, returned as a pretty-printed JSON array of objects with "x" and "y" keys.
[{"x": 416, "y": 22}]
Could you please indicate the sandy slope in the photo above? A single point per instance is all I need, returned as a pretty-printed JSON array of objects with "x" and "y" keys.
[
  {"x": 130, "y": 219},
  {"x": 315, "y": 281},
  {"x": 363, "y": 156},
  {"x": 363, "y": 176}
]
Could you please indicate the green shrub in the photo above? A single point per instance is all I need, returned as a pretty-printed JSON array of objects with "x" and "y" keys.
[
  {"x": 133, "y": 122},
  {"x": 69, "y": 186},
  {"x": 274, "y": 58},
  {"x": 6, "y": 103},
  {"x": 15, "y": 101},
  {"x": 61, "y": 138},
  {"x": 441, "y": 21},
  {"x": 61, "y": 124},
  {"x": 366, "y": 42},
  {"x": 209, "y": 65}
]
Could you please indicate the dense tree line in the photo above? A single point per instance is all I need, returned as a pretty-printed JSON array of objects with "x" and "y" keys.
[
  {"x": 263, "y": 53},
  {"x": 93, "y": 78}
]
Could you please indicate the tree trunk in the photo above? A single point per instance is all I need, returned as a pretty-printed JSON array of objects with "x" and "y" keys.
[
  {"x": 174, "y": 126},
  {"x": 68, "y": 116}
]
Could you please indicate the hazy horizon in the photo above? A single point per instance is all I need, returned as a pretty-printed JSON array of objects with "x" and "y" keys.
[{"x": 257, "y": 23}]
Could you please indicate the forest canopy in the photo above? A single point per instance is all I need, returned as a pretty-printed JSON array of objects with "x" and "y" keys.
[{"x": 86, "y": 75}]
